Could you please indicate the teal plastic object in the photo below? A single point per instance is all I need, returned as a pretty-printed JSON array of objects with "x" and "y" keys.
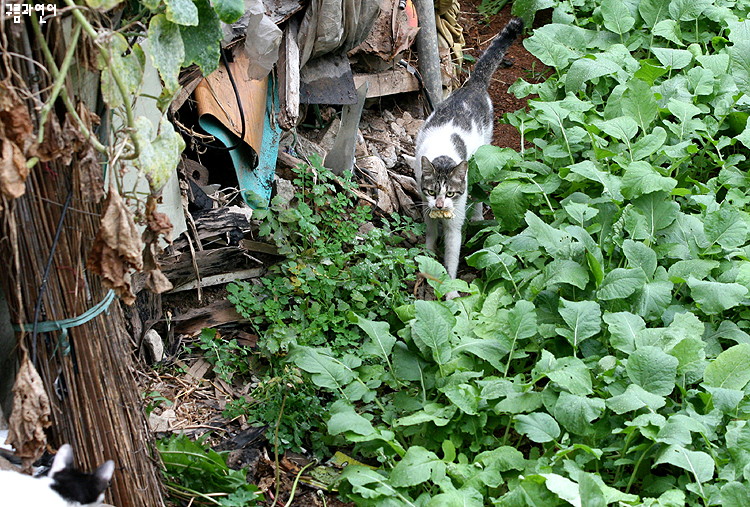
[{"x": 255, "y": 173}]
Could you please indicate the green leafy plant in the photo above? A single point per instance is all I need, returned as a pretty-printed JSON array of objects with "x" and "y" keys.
[
  {"x": 202, "y": 475},
  {"x": 330, "y": 267},
  {"x": 289, "y": 406},
  {"x": 155, "y": 399},
  {"x": 227, "y": 357},
  {"x": 602, "y": 355}
]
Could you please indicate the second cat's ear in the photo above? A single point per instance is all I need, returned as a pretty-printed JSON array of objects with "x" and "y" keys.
[
  {"x": 105, "y": 471},
  {"x": 63, "y": 459},
  {"x": 427, "y": 165},
  {"x": 460, "y": 170}
]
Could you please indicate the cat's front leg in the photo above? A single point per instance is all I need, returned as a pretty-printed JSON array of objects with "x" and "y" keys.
[
  {"x": 431, "y": 233},
  {"x": 452, "y": 229}
]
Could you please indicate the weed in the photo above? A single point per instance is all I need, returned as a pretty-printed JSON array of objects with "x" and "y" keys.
[
  {"x": 228, "y": 358},
  {"x": 331, "y": 268}
]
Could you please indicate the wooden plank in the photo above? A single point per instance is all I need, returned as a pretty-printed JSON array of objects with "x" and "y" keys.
[
  {"x": 260, "y": 247},
  {"x": 289, "y": 77},
  {"x": 216, "y": 314},
  {"x": 389, "y": 82},
  {"x": 223, "y": 222},
  {"x": 179, "y": 268},
  {"x": 209, "y": 281}
]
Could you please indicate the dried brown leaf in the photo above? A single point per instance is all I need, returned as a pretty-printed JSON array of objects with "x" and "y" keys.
[
  {"x": 15, "y": 117},
  {"x": 31, "y": 414},
  {"x": 13, "y": 170},
  {"x": 117, "y": 247},
  {"x": 157, "y": 224},
  {"x": 72, "y": 134},
  {"x": 91, "y": 179},
  {"x": 54, "y": 145}
]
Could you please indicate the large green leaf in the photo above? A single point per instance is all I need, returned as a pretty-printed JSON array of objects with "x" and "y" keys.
[
  {"x": 635, "y": 398},
  {"x": 540, "y": 427},
  {"x": 589, "y": 170},
  {"x": 167, "y": 49},
  {"x": 653, "y": 11},
  {"x": 509, "y": 203},
  {"x": 182, "y": 12},
  {"x": 617, "y": 17},
  {"x": 326, "y": 371},
  {"x": 584, "y": 70},
  {"x": 571, "y": 374},
  {"x": 125, "y": 61},
  {"x": 642, "y": 178},
  {"x": 345, "y": 419},
  {"x": 432, "y": 330},
  {"x": 159, "y": 155},
  {"x": 726, "y": 227},
  {"x": 641, "y": 256},
  {"x": 638, "y": 103},
  {"x": 687, "y": 10},
  {"x": 576, "y": 413},
  {"x": 621, "y": 283},
  {"x": 649, "y": 144},
  {"x": 740, "y": 58},
  {"x": 624, "y": 328},
  {"x": 229, "y": 11},
  {"x": 417, "y": 466},
  {"x": 715, "y": 297},
  {"x": 464, "y": 396},
  {"x": 653, "y": 369},
  {"x": 697, "y": 463},
  {"x": 381, "y": 340},
  {"x": 731, "y": 369},
  {"x": 372, "y": 484},
  {"x": 583, "y": 319},
  {"x": 654, "y": 298},
  {"x": 202, "y": 41}
]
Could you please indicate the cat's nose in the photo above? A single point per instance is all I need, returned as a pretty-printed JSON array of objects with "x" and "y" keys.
[{"x": 439, "y": 203}]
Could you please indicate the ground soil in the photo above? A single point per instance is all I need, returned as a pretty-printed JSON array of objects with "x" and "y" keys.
[{"x": 479, "y": 31}]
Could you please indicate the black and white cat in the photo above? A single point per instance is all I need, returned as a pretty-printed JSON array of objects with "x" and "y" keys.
[
  {"x": 448, "y": 138},
  {"x": 64, "y": 486}
]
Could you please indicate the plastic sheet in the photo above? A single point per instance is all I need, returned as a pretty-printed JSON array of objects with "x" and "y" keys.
[
  {"x": 262, "y": 38},
  {"x": 332, "y": 25}
]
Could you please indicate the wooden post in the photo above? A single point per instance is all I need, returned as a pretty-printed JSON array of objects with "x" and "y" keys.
[{"x": 427, "y": 47}]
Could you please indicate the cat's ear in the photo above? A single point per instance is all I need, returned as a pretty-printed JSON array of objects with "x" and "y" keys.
[
  {"x": 410, "y": 161},
  {"x": 427, "y": 166},
  {"x": 460, "y": 171},
  {"x": 63, "y": 459},
  {"x": 105, "y": 471}
]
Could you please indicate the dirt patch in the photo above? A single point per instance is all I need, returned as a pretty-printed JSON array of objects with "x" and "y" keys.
[{"x": 479, "y": 32}]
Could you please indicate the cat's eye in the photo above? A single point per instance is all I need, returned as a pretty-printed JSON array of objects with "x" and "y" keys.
[
  {"x": 429, "y": 192},
  {"x": 450, "y": 194}
]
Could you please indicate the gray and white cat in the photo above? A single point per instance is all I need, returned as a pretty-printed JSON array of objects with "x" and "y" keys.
[
  {"x": 448, "y": 138},
  {"x": 64, "y": 486}
]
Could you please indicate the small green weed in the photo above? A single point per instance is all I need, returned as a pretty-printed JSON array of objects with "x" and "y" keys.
[
  {"x": 228, "y": 358},
  {"x": 289, "y": 406},
  {"x": 200, "y": 474}
]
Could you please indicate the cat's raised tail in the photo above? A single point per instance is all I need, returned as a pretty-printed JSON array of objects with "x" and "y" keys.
[{"x": 493, "y": 55}]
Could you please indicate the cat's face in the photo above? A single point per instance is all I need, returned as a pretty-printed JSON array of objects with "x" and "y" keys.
[{"x": 443, "y": 182}]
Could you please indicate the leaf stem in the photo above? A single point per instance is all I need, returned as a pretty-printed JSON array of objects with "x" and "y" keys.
[
  {"x": 59, "y": 82},
  {"x": 637, "y": 466},
  {"x": 75, "y": 9},
  {"x": 90, "y": 137}
]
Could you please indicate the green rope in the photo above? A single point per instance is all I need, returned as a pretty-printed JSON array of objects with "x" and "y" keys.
[{"x": 65, "y": 324}]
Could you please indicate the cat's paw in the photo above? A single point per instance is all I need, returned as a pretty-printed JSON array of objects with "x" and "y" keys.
[{"x": 452, "y": 295}]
